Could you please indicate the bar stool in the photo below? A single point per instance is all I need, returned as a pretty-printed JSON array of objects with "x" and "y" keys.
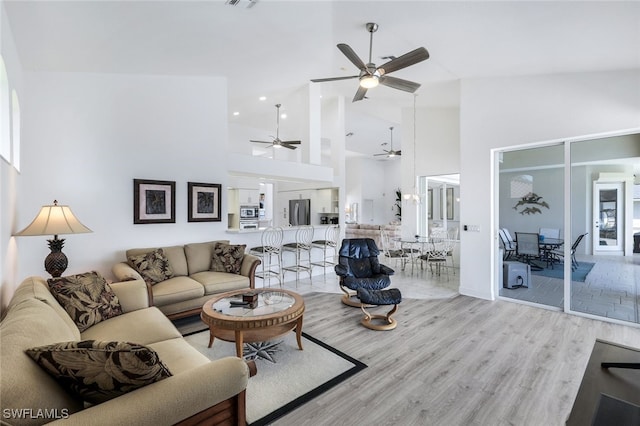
[
  {"x": 302, "y": 245},
  {"x": 270, "y": 253},
  {"x": 331, "y": 235}
]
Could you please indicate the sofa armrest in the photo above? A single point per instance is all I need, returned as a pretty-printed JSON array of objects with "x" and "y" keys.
[
  {"x": 124, "y": 272},
  {"x": 170, "y": 400},
  {"x": 248, "y": 268},
  {"x": 132, "y": 295}
]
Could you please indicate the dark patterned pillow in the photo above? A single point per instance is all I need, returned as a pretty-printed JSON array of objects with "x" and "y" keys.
[
  {"x": 99, "y": 371},
  {"x": 227, "y": 258},
  {"x": 87, "y": 298},
  {"x": 153, "y": 266}
]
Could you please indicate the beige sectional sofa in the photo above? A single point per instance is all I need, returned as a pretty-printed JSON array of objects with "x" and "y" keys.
[
  {"x": 197, "y": 390},
  {"x": 355, "y": 230},
  {"x": 193, "y": 282}
]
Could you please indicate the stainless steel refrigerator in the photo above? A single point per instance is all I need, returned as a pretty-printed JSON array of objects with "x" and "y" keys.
[{"x": 299, "y": 212}]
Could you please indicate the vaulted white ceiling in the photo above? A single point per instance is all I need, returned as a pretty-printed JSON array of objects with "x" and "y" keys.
[{"x": 275, "y": 47}]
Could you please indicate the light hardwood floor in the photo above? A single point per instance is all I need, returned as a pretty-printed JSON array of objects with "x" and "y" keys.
[{"x": 451, "y": 361}]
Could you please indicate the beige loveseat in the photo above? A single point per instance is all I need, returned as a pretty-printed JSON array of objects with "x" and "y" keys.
[
  {"x": 197, "y": 388},
  {"x": 193, "y": 282},
  {"x": 355, "y": 230}
]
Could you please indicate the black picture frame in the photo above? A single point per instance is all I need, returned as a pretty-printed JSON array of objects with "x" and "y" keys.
[
  {"x": 204, "y": 202},
  {"x": 154, "y": 201}
]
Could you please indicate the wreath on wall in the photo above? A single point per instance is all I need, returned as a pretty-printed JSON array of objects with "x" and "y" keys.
[{"x": 529, "y": 204}]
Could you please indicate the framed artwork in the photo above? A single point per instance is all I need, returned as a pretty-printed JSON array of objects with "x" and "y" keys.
[
  {"x": 430, "y": 204},
  {"x": 449, "y": 203},
  {"x": 448, "y": 199},
  {"x": 204, "y": 202},
  {"x": 154, "y": 201}
]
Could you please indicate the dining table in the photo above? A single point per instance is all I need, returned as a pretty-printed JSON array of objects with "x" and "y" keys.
[
  {"x": 547, "y": 246},
  {"x": 420, "y": 246}
]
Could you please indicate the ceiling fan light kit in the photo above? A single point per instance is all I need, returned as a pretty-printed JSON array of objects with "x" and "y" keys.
[
  {"x": 277, "y": 143},
  {"x": 371, "y": 76},
  {"x": 390, "y": 153}
]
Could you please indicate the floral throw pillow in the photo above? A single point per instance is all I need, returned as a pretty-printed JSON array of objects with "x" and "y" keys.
[
  {"x": 87, "y": 298},
  {"x": 227, "y": 258},
  {"x": 153, "y": 266},
  {"x": 99, "y": 371}
]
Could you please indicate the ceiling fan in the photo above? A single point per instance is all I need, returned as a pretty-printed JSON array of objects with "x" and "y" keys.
[
  {"x": 370, "y": 75},
  {"x": 391, "y": 153},
  {"x": 277, "y": 143}
]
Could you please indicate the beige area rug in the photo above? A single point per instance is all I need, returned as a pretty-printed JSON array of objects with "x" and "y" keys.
[{"x": 287, "y": 377}]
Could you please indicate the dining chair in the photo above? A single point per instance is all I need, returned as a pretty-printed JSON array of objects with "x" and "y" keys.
[
  {"x": 574, "y": 247},
  {"x": 392, "y": 251},
  {"x": 437, "y": 254},
  {"x": 508, "y": 246},
  {"x": 549, "y": 232},
  {"x": 528, "y": 248}
]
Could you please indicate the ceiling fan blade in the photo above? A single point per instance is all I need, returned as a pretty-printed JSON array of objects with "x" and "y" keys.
[
  {"x": 398, "y": 83},
  {"x": 375, "y": 155},
  {"x": 352, "y": 56},
  {"x": 320, "y": 80},
  {"x": 360, "y": 94},
  {"x": 270, "y": 143},
  {"x": 292, "y": 142},
  {"x": 418, "y": 55},
  {"x": 399, "y": 152},
  {"x": 286, "y": 145}
]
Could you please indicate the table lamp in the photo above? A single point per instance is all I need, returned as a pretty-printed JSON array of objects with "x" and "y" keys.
[{"x": 54, "y": 220}]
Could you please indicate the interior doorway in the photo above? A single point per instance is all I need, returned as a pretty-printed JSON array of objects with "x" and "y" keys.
[{"x": 608, "y": 226}]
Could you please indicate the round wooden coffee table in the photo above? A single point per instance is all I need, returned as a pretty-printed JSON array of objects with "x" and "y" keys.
[{"x": 276, "y": 313}]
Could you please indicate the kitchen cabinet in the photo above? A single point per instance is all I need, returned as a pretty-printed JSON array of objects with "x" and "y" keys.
[{"x": 248, "y": 196}]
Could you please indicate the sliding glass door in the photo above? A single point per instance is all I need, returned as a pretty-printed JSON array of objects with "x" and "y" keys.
[
  {"x": 602, "y": 208},
  {"x": 594, "y": 268},
  {"x": 531, "y": 209}
]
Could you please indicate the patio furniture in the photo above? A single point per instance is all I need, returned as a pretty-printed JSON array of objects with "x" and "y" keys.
[{"x": 528, "y": 248}]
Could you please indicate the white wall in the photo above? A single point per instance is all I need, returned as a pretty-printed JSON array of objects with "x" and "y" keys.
[
  {"x": 437, "y": 152},
  {"x": 506, "y": 112},
  {"x": 9, "y": 176},
  {"x": 87, "y": 136},
  {"x": 369, "y": 179}
]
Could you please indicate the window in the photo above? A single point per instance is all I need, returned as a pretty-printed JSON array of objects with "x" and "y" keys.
[{"x": 5, "y": 139}]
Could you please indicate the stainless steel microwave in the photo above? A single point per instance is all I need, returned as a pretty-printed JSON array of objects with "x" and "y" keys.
[{"x": 249, "y": 212}]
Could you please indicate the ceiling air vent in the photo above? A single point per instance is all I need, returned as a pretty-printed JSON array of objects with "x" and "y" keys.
[{"x": 245, "y": 3}]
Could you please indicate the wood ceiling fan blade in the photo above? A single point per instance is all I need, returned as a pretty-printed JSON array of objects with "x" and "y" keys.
[
  {"x": 352, "y": 56},
  {"x": 292, "y": 142},
  {"x": 286, "y": 145},
  {"x": 270, "y": 143},
  {"x": 399, "y": 83},
  {"x": 320, "y": 80},
  {"x": 360, "y": 94},
  {"x": 418, "y": 55}
]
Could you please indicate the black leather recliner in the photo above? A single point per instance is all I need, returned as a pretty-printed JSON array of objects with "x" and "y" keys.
[{"x": 358, "y": 267}]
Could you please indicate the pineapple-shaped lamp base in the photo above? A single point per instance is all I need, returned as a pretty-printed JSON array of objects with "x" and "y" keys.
[{"x": 56, "y": 262}]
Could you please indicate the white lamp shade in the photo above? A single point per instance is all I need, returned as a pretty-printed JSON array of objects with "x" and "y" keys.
[{"x": 54, "y": 220}]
